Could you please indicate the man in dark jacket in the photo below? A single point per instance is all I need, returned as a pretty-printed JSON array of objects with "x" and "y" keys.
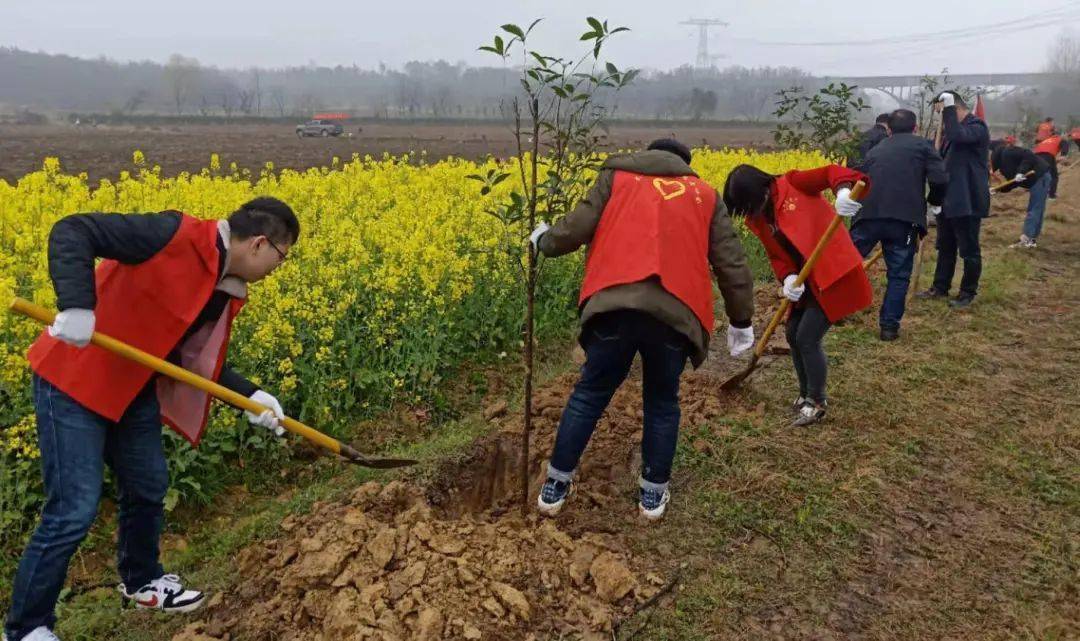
[
  {"x": 870, "y": 139},
  {"x": 894, "y": 214},
  {"x": 653, "y": 229},
  {"x": 168, "y": 284},
  {"x": 966, "y": 149},
  {"x": 1015, "y": 163}
]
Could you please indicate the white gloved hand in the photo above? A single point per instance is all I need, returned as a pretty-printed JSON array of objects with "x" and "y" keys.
[
  {"x": 933, "y": 210},
  {"x": 947, "y": 99},
  {"x": 534, "y": 237},
  {"x": 739, "y": 339},
  {"x": 73, "y": 326},
  {"x": 845, "y": 204},
  {"x": 1019, "y": 178},
  {"x": 272, "y": 417},
  {"x": 791, "y": 292}
]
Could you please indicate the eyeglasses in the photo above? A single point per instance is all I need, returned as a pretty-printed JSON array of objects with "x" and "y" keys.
[{"x": 278, "y": 250}]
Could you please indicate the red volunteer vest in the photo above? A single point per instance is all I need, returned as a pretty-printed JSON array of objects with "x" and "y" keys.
[
  {"x": 1051, "y": 145},
  {"x": 838, "y": 280},
  {"x": 148, "y": 306},
  {"x": 655, "y": 226}
]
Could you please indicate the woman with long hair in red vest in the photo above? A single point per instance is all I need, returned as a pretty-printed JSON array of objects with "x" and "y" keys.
[{"x": 789, "y": 215}]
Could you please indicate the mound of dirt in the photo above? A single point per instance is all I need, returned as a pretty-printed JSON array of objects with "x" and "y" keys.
[{"x": 384, "y": 566}]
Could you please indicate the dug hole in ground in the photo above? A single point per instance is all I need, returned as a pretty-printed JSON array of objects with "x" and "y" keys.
[{"x": 906, "y": 515}]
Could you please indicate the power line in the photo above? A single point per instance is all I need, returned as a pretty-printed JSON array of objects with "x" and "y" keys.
[{"x": 1066, "y": 13}]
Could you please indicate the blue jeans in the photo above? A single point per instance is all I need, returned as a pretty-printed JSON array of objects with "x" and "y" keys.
[
  {"x": 1036, "y": 208},
  {"x": 76, "y": 444},
  {"x": 611, "y": 340},
  {"x": 899, "y": 240}
]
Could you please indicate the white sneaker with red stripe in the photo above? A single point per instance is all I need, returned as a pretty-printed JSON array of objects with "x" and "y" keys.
[{"x": 166, "y": 594}]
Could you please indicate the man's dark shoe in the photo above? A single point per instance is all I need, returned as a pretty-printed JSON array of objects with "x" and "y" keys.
[
  {"x": 890, "y": 333},
  {"x": 962, "y": 301},
  {"x": 930, "y": 294}
]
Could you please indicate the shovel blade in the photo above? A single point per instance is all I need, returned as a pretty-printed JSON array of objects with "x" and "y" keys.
[
  {"x": 737, "y": 379},
  {"x": 381, "y": 463}
]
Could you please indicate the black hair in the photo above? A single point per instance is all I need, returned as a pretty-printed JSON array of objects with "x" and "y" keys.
[
  {"x": 746, "y": 190},
  {"x": 1049, "y": 119},
  {"x": 673, "y": 146},
  {"x": 882, "y": 119},
  {"x": 265, "y": 216},
  {"x": 902, "y": 121}
]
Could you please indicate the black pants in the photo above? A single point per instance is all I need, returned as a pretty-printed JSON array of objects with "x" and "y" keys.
[
  {"x": 806, "y": 328},
  {"x": 958, "y": 236}
]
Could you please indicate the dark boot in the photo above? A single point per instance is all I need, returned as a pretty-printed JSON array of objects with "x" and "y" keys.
[
  {"x": 890, "y": 333},
  {"x": 962, "y": 301},
  {"x": 930, "y": 294}
]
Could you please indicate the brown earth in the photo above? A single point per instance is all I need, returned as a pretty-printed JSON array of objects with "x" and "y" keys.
[
  {"x": 893, "y": 546},
  {"x": 106, "y": 150}
]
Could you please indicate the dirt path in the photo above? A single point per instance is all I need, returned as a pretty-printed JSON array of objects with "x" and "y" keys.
[{"x": 941, "y": 500}]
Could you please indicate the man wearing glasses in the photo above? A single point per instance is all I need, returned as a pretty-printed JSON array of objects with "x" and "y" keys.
[{"x": 171, "y": 285}]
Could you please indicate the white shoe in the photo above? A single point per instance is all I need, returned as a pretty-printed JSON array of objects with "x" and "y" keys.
[
  {"x": 166, "y": 594},
  {"x": 1024, "y": 243},
  {"x": 652, "y": 505}
]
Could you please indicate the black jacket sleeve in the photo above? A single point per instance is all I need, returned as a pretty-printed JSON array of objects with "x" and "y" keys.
[
  {"x": 77, "y": 240},
  {"x": 232, "y": 380},
  {"x": 936, "y": 176}
]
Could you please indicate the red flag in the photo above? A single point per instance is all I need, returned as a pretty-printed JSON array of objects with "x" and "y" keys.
[{"x": 980, "y": 108}]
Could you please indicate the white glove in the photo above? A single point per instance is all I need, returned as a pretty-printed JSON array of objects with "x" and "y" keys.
[
  {"x": 1019, "y": 178},
  {"x": 791, "y": 292},
  {"x": 739, "y": 339},
  {"x": 947, "y": 99},
  {"x": 933, "y": 210},
  {"x": 272, "y": 417},
  {"x": 845, "y": 204},
  {"x": 534, "y": 237},
  {"x": 73, "y": 326}
]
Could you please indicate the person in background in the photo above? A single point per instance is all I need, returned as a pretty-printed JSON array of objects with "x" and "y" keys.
[
  {"x": 909, "y": 181},
  {"x": 1044, "y": 130},
  {"x": 966, "y": 150},
  {"x": 1015, "y": 163},
  {"x": 870, "y": 139},
  {"x": 1050, "y": 150}
]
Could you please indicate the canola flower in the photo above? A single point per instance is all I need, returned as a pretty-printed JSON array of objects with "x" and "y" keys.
[{"x": 397, "y": 276}]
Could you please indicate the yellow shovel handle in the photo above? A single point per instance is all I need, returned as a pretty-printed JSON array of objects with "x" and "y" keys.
[{"x": 46, "y": 317}]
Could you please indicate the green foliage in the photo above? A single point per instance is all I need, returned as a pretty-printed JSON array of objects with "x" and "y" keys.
[{"x": 824, "y": 121}]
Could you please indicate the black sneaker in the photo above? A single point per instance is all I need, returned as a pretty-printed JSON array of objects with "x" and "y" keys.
[
  {"x": 553, "y": 496},
  {"x": 962, "y": 301},
  {"x": 930, "y": 294},
  {"x": 890, "y": 333},
  {"x": 810, "y": 413},
  {"x": 167, "y": 594}
]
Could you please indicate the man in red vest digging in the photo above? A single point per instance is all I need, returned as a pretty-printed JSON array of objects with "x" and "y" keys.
[
  {"x": 170, "y": 285},
  {"x": 653, "y": 229}
]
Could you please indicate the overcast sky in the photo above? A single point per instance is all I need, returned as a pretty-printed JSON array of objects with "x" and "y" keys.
[{"x": 241, "y": 33}]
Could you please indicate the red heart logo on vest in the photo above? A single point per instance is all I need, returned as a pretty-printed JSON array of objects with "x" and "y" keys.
[{"x": 669, "y": 188}]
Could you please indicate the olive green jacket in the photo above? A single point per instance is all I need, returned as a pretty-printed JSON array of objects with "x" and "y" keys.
[{"x": 726, "y": 255}]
